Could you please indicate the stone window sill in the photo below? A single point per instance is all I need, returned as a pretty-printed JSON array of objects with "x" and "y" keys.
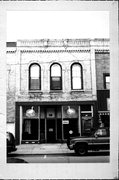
[{"x": 35, "y": 91}]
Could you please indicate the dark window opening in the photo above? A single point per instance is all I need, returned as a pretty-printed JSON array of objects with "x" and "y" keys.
[{"x": 85, "y": 107}]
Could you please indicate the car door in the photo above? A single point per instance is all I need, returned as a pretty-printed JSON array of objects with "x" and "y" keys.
[{"x": 101, "y": 140}]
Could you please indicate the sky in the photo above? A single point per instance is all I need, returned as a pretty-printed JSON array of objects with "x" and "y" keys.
[{"x": 57, "y": 24}]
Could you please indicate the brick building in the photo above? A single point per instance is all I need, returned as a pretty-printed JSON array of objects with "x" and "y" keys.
[
  {"x": 103, "y": 86},
  {"x": 53, "y": 86}
]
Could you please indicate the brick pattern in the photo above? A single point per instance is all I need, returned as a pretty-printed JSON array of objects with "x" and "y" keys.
[{"x": 102, "y": 66}]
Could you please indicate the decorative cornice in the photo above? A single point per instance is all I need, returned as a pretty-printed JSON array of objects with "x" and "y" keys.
[
  {"x": 60, "y": 45},
  {"x": 61, "y": 51},
  {"x": 102, "y": 51},
  {"x": 55, "y": 51},
  {"x": 11, "y": 52},
  {"x": 62, "y": 42}
]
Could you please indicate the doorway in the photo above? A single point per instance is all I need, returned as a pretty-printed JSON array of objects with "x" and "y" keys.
[
  {"x": 30, "y": 129},
  {"x": 51, "y": 131}
]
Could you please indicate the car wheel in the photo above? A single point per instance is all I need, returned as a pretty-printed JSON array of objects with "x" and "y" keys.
[{"x": 81, "y": 150}]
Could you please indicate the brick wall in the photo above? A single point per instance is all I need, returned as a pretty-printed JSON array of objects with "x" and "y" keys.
[
  {"x": 11, "y": 86},
  {"x": 102, "y": 66}
]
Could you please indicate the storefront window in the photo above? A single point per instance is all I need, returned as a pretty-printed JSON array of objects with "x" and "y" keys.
[
  {"x": 70, "y": 121},
  {"x": 30, "y": 123},
  {"x": 86, "y": 119}
]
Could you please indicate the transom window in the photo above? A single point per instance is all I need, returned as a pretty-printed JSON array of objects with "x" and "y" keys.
[
  {"x": 55, "y": 77},
  {"x": 76, "y": 77},
  {"x": 34, "y": 77}
]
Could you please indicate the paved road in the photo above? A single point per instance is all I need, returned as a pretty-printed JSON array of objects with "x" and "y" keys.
[{"x": 92, "y": 157}]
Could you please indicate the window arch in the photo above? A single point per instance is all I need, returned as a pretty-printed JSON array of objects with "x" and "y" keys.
[
  {"x": 34, "y": 77},
  {"x": 76, "y": 77},
  {"x": 55, "y": 77}
]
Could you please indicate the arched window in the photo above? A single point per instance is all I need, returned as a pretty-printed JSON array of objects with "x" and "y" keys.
[
  {"x": 55, "y": 77},
  {"x": 34, "y": 77},
  {"x": 76, "y": 77}
]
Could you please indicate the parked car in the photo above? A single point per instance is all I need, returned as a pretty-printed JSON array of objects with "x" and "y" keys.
[
  {"x": 99, "y": 140},
  {"x": 10, "y": 142}
]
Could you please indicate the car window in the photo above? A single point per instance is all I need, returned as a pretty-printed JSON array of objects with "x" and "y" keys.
[{"x": 101, "y": 132}]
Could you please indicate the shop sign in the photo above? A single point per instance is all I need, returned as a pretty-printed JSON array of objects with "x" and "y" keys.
[
  {"x": 70, "y": 112},
  {"x": 65, "y": 121}
]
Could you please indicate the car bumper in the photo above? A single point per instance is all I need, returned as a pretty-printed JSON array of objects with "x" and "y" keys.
[
  {"x": 11, "y": 148},
  {"x": 70, "y": 146}
]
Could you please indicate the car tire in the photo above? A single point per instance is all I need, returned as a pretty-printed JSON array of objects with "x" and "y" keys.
[{"x": 81, "y": 150}]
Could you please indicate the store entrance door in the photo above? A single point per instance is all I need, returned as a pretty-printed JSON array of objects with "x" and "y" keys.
[
  {"x": 51, "y": 131},
  {"x": 30, "y": 130}
]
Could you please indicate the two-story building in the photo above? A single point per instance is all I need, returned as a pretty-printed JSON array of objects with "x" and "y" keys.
[
  {"x": 52, "y": 89},
  {"x": 103, "y": 86}
]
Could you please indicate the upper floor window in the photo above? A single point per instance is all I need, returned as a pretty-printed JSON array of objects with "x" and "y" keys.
[
  {"x": 55, "y": 77},
  {"x": 106, "y": 81},
  {"x": 108, "y": 104},
  {"x": 34, "y": 77},
  {"x": 76, "y": 77}
]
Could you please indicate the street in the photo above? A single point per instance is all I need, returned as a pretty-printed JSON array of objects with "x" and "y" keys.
[{"x": 92, "y": 157}]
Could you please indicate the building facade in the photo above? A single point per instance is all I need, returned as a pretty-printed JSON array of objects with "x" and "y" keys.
[
  {"x": 103, "y": 87},
  {"x": 52, "y": 88}
]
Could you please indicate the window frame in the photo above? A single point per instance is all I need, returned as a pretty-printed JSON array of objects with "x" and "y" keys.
[
  {"x": 30, "y": 67},
  {"x": 76, "y": 63},
  {"x": 51, "y": 88},
  {"x": 104, "y": 80}
]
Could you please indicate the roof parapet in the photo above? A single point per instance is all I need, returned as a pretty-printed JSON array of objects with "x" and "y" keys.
[{"x": 62, "y": 42}]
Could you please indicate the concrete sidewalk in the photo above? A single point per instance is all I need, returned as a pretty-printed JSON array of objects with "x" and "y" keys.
[{"x": 42, "y": 149}]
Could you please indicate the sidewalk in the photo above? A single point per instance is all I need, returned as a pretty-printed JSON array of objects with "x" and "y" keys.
[{"x": 42, "y": 149}]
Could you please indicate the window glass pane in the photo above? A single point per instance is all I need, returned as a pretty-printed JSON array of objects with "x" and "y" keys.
[
  {"x": 107, "y": 79},
  {"x": 76, "y": 70},
  {"x": 76, "y": 83},
  {"x": 35, "y": 83},
  {"x": 55, "y": 70},
  {"x": 76, "y": 77},
  {"x": 34, "y": 71},
  {"x": 56, "y": 82},
  {"x": 34, "y": 77},
  {"x": 56, "y": 77}
]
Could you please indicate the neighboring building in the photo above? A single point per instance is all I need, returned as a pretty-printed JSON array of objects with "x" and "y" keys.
[
  {"x": 51, "y": 88},
  {"x": 103, "y": 86}
]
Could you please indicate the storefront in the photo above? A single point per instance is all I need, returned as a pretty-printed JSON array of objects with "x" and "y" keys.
[{"x": 51, "y": 123}]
